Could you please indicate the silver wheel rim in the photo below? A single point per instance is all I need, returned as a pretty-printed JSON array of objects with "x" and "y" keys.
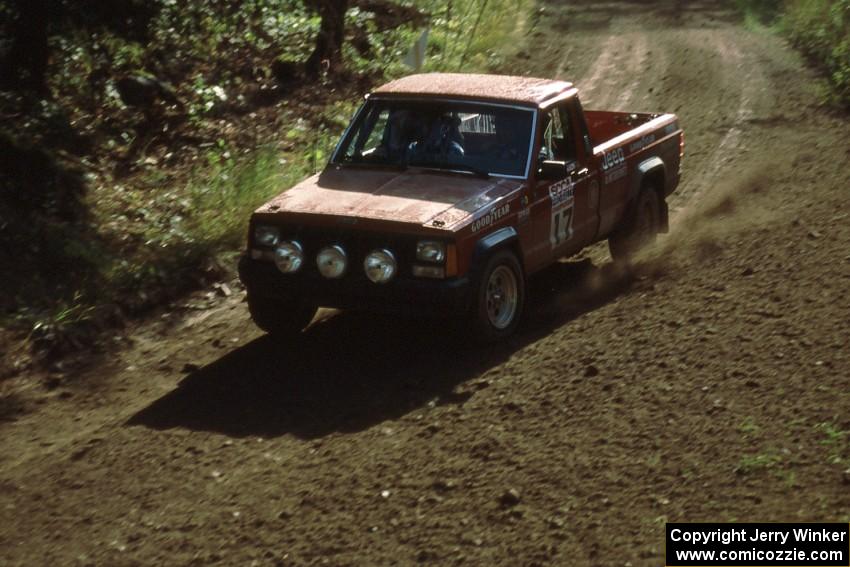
[{"x": 502, "y": 296}]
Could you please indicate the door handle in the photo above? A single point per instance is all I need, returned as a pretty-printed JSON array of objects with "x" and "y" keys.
[{"x": 583, "y": 172}]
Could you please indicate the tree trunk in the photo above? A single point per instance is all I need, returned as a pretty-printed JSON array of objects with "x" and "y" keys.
[
  {"x": 25, "y": 67},
  {"x": 327, "y": 55}
]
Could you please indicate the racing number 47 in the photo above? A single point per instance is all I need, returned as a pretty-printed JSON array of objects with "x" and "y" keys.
[{"x": 562, "y": 226}]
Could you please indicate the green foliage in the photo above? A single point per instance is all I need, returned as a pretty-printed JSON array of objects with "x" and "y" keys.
[
  {"x": 818, "y": 28},
  {"x": 473, "y": 35},
  {"x": 821, "y": 30},
  {"x": 760, "y": 12},
  {"x": 463, "y": 35}
]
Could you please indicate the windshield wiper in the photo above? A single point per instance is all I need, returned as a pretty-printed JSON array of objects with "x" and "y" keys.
[
  {"x": 446, "y": 166},
  {"x": 388, "y": 165}
]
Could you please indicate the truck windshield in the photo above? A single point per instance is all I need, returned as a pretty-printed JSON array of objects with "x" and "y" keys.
[{"x": 452, "y": 135}]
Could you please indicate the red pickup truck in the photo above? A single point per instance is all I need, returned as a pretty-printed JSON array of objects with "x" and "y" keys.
[{"x": 447, "y": 191}]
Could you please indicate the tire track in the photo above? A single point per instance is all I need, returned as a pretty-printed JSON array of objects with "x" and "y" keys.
[
  {"x": 598, "y": 68},
  {"x": 735, "y": 65},
  {"x": 637, "y": 64},
  {"x": 599, "y": 89}
]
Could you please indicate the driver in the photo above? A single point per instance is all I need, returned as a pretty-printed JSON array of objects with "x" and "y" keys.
[{"x": 443, "y": 139}]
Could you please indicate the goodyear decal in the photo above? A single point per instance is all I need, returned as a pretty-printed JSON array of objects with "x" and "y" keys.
[
  {"x": 491, "y": 217},
  {"x": 638, "y": 145}
]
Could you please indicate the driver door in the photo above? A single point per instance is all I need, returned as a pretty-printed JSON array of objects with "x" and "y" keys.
[{"x": 564, "y": 219}]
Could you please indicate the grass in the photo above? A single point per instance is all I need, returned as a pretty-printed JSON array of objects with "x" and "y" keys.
[
  {"x": 832, "y": 438},
  {"x": 749, "y": 464},
  {"x": 836, "y": 440},
  {"x": 748, "y": 426}
]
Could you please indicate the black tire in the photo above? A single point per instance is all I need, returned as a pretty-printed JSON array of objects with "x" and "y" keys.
[
  {"x": 639, "y": 230},
  {"x": 499, "y": 298},
  {"x": 280, "y": 318}
]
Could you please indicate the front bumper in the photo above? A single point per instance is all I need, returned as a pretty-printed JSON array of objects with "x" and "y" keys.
[{"x": 406, "y": 295}]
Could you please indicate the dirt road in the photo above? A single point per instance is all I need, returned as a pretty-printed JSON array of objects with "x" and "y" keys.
[{"x": 714, "y": 386}]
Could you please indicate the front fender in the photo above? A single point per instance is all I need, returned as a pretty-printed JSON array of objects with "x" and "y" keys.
[{"x": 505, "y": 237}]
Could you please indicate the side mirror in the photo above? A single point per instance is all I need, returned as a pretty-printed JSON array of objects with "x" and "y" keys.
[{"x": 552, "y": 170}]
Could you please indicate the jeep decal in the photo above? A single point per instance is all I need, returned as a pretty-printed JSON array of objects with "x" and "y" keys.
[{"x": 613, "y": 159}]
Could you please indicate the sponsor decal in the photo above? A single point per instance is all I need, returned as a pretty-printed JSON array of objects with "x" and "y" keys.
[
  {"x": 523, "y": 216},
  {"x": 490, "y": 217},
  {"x": 615, "y": 175},
  {"x": 562, "y": 192},
  {"x": 638, "y": 145},
  {"x": 562, "y": 195}
]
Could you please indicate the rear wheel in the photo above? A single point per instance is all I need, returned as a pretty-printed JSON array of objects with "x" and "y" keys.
[
  {"x": 500, "y": 298},
  {"x": 278, "y": 317},
  {"x": 639, "y": 230}
]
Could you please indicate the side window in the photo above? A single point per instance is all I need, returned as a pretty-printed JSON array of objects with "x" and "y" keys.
[
  {"x": 558, "y": 142},
  {"x": 583, "y": 131}
]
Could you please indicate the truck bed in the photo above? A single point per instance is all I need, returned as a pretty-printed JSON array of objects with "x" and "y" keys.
[{"x": 604, "y": 125}]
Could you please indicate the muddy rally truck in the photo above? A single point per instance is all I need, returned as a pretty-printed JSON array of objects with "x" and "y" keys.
[{"x": 447, "y": 191}]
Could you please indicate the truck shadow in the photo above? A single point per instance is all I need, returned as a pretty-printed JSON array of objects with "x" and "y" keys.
[{"x": 355, "y": 370}]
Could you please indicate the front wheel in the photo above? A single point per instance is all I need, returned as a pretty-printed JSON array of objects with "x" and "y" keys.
[
  {"x": 500, "y": 298},
  {"x": 638, "y": 230},
  {"x": 280, "y": 318}
]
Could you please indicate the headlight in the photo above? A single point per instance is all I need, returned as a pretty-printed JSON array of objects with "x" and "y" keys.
[
  {"x": 430, "y": 251},
  {"x": 380, "y": 266},
  {"x": 288, "y": 257},
  {"x": 266, "y": 235},
  {"x": 332, "y": 261}
]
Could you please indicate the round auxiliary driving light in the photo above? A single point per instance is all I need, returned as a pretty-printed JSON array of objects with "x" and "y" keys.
[
  {"x": 380, "y": 266},
  {"x": 265, "y": 235},
  {"x": 332, "y": 261},
  {"x": 288, "y": 257}
]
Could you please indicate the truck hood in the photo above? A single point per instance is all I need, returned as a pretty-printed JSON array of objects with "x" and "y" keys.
[{"x": 419, "y": 196}]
